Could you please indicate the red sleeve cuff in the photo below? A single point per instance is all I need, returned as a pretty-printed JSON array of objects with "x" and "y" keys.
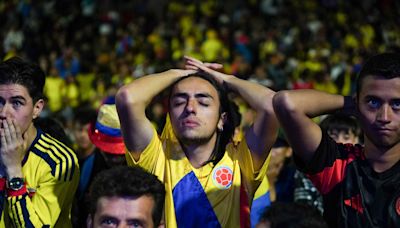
[
  {"x": 20, "y": 192},
  {"x": 2, "y": 183}
]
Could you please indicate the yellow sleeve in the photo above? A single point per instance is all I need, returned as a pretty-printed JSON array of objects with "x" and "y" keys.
[
  {"x": 53, "y": 196},
  {"x": 152, "y": 156},
  {"x": 251, "y": 178}
]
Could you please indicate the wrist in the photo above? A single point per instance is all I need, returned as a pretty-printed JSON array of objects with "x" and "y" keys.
[{"x": 14, "y": 171}]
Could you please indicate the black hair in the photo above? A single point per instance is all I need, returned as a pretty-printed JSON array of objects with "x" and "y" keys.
[
  {"x": 17, "y": 71},
  {"x": 53, "y": 127},
  {"x": 340, "y": 122},
  {"x": 293, "y": 215},
  {"x": 124, "y": 181},
  {"x": 84, "y": 115},
  {"x": 226, "y": 106},
  {"x": 385, "y": 65}
]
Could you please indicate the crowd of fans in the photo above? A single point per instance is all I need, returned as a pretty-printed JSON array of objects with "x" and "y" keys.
[{"x": 89, "y": 49}]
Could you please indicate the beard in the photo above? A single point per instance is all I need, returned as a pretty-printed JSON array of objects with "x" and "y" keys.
[{"x": 195, "y": 140}]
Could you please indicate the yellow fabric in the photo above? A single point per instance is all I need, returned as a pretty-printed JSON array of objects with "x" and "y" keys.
[
  {"x": 51, "y": 172},
  {"x": 53, "y": 91},
  {"x": 165, "y": 158}
]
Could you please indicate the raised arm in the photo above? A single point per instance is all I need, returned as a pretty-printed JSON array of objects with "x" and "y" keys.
[
  {"x": 131, "y": 102},
  {"x": 261, "y": 136},
  {"x": 295, "y": 109}
]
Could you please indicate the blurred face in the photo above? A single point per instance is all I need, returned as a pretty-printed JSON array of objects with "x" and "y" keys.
[
  {"x": 194, "y": 111},
  {"x": 278, "y": 157},
  {"x": 379, "y": 109},
  {"x": 17, "y": 104},
  {"x": 343, "y": 136},
  {"x": 81, "y": 136},
  {"x": 113, "y": 212}
]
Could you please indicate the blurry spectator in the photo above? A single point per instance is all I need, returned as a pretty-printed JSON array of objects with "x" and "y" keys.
[
  {"x": 126, "y": 196},
  {"x": 53, "y": 90},
  {"x": 68, "y": 64},
  {"x": 100, "y": 147},
  {"x": 291, "y": 215}
]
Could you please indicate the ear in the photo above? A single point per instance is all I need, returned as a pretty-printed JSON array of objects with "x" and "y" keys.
[
  {"x": 221, "y": 121},
  {"x": 37, "y": 108}
]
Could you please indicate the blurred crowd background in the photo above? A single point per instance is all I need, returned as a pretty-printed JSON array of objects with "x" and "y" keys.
[{"x": 89, "y": 48}]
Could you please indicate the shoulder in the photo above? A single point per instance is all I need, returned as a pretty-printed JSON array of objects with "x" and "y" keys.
[{"x": 61, "y": 159}]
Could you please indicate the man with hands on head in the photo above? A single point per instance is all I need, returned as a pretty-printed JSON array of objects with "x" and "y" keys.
[
  {"x": 360, "y": 184},
  {"x": 41, "y": 173},
  {"x": 209, "y": 180}
]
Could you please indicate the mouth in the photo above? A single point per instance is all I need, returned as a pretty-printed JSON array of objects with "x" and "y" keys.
[{"x": 190, "y": 123}]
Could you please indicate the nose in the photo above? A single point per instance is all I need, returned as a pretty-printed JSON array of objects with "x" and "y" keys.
[
  {"x": 4, "y": 112},
  {"x": 191, "y": 106},
  {"x": 384, "y": 113}
]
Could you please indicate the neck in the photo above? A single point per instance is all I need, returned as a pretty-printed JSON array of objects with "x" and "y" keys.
[
  {"x": 381, "y": 158},
  {"x": 30, "y": 135},
  {"x": 198, "y": 154},
  {"x": 85, "y": 152}
]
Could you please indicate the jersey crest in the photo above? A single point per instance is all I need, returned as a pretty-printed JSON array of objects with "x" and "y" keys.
[{"x": 222, "y": 177}]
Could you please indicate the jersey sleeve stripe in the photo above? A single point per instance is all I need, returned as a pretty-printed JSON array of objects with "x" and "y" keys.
[{"x": 69, "y": 155}]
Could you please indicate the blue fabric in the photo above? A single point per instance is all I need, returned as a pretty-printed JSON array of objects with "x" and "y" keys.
[
  {"x": 86, "y": 172},
  {"x": 115, "y": 132},
  {"x": 258, "y": 207},
  {"x": 192, "y": 207}
]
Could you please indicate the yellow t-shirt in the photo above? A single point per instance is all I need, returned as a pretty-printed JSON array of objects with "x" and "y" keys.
[{"x": 210, "y": 196}]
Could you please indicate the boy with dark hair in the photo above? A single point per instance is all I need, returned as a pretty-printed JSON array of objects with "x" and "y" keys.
[
  {"x": 124, "y": 196},
  {"x": 342, "y": 128},
  {"x": 41, "y": 173},
  {"x": 360, "y": 185}
]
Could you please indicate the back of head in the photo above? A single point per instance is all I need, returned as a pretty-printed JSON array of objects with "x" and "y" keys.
[
  {"x": 292, "y": 215},
  {"x": 124, "y": 181},
  {"x": 17, "y": 71},
  {"x": 385, "y": 65}
]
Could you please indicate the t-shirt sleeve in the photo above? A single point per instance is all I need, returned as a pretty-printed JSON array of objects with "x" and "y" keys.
[{"x": 151, "y": 156}]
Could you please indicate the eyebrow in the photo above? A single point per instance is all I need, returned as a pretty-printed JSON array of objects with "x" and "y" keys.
[
  {"x": 19, "y": 97},
  {"x": 197, "y": 95}
]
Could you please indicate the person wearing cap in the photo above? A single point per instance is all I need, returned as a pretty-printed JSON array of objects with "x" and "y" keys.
[
  {"x": 40, "y": 174},
  {"x": 102, "y": 148}
]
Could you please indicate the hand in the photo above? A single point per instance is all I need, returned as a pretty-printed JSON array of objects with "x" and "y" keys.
[
  {"x": 210, "y": 68},
  {"x": 13, "y": 147}
]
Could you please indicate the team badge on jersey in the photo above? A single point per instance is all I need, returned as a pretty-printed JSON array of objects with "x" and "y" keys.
[
  {"x": 398, "y": 206},
  {"x": 222, "y": 177}
]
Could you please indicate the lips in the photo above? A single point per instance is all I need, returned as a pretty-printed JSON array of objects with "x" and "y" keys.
[{"x": 190, "y": 123}]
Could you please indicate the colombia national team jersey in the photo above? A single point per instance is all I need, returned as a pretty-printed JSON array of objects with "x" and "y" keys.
[
  {"x": 354, "y": 194},
  {"x": 210, "y": 196},
  {"x": 51, "y": 173}
]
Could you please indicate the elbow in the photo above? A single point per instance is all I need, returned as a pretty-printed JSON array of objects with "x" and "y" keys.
[
  {"x": 124, "y": 98},
  {"x": 283, "y": 103}
]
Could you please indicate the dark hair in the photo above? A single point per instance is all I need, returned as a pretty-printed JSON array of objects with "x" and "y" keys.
[
  {"x": 226, "y": 106},
  {"x": 84, "y": 115},
  {"x": 340, "y": 122},
  {"x": 17, "y": 71},
  {"x": 386, "y": 65},
  {"x": 53, "y": 127},
  {"x": 293, "y": 215},
  {"x": 124, "y": 181}
]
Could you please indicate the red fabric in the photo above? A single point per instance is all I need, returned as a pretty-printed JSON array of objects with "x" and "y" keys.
[
  {"x": 244, "y": 208},
  {"x": 2, "y": 183},
  {"x": 328, "y": 178},
  {"x": 20, "y": 192}
]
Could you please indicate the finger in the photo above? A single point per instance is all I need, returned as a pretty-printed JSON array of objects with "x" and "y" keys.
[
  {"x": 201, "y": 66},
  {"x": 6, "y": 130},
  {"x": 2, "y": 139},
  {"x": 215, "y": 66},
  {"x": 190, "y": 67},
  {"x": 11, "y": 126},
  {"x": 17, "y": 130},
  {"x": 188, "y": 58}
]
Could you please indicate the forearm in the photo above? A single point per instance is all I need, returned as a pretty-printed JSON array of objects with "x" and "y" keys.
[
  {"x": 309, "y": 102},
  {"x": 258, "y": 97},
  {"x": 144, "y": 89}
]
